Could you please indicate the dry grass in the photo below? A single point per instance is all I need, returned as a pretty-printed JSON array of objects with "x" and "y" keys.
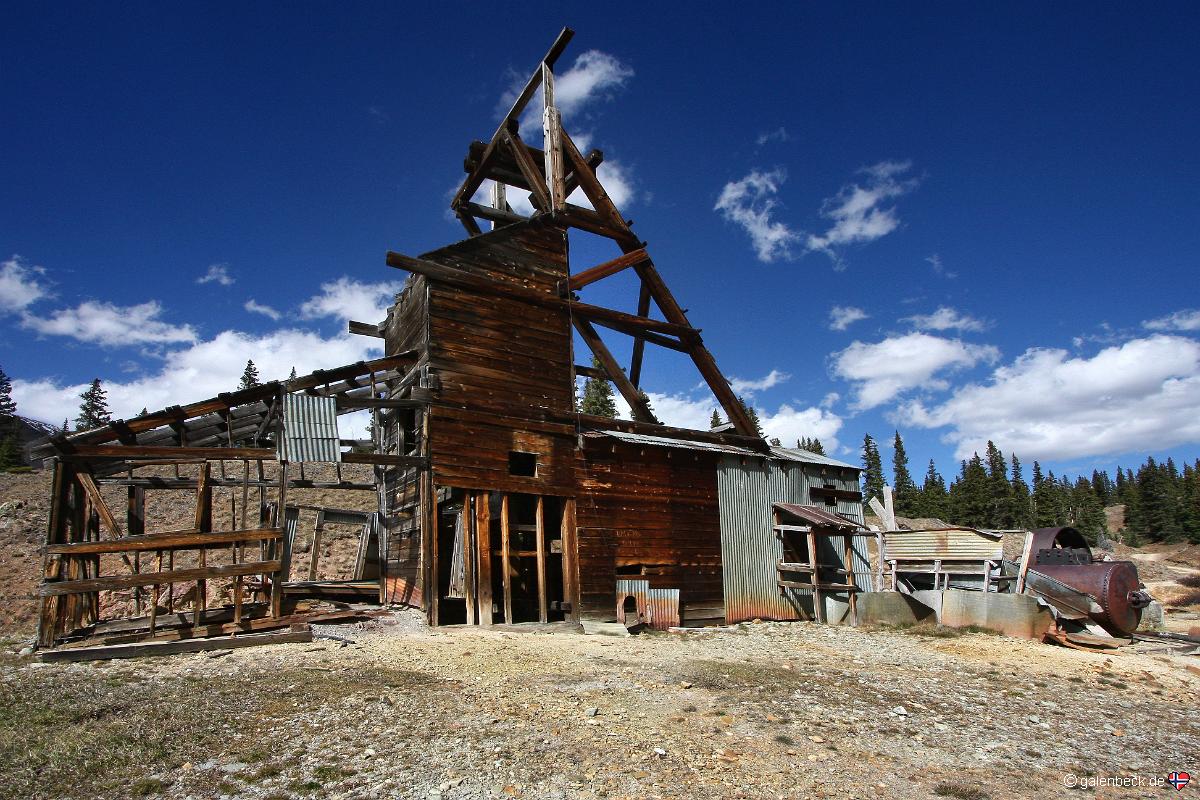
[{"x": 56, "y": 724}]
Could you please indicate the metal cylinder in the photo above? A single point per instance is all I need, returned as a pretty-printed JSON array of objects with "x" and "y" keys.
[{"x": 1114, "y": 585}]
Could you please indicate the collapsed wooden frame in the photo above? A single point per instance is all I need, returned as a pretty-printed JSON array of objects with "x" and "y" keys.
[{"x": 550, "y": 176}]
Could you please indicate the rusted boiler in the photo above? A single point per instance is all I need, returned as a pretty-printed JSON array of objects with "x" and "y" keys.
[{"x": 1064, "y": 571}]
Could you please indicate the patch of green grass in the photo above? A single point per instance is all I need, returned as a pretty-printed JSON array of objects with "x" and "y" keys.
[
  {"x": 787, "y": 740},
  {"x": 262, "y": 773},
  {"x": 225, "y": 787},
  {"x": 329, "y": 774},
  {"x": 305, "y": 786},
  {"x": 146, "y": 787},
  {"x": 959, "y": 791}
]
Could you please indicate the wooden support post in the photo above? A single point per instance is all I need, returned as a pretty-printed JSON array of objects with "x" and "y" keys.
[
  {"x": 539, "y": 193},
  {"x": 483, "y": 547},
  {"x": 570, "y": 561},
  {"x": 639, "y": 342},
  {"x": 552, "y": 135},
  {"x": 470, "y": 537},
  {"x": 288, "y": 518},
  {"x": 499, "y": 201},
  {"x": 52, "y": 566},
  {"x": 506, "y": 559},
  {"x": 1026, "y": 556},
  {"x": 316, "y": 544},
  {"x": 203, "y": 525},
  {"x": 540, "y": 532},
  {"x": 135, "y": 525},
  {"x": 818, "y": 600},
  {"x": 851, "y": 594}
]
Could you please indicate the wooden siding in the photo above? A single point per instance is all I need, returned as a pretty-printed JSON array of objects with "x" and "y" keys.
[
  {"x": 502, "y": 366},
  {"x": 651, "y": 510}
]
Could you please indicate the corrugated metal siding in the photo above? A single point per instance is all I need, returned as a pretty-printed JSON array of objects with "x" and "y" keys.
[
  {"x": 309, "y": 429},
  {"x": 944, "y": 544},
  {"x": 749, "y": 547},
  {"x": 663, "y": 608}
]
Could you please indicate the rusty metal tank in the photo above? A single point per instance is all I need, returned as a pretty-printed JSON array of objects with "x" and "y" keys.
[{"x": 1063, "y": 570}]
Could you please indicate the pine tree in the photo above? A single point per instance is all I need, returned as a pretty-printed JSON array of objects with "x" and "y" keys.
[
  {"x": 66, "y": 426},
  {"x": 93, "y": 411},
  {"x": 8, "y": 407},
  {"x": 971, "y": 496},
  {"x": 1022, "y": 502},
  {"x": 10, "y": 455},
  {"x": 1000, "y": 508},
  {"x": 872, "y": 475},
  {"x": 812, "y": 445},
  {"x": 1047, "y": 500},
  {"x": 753, "y": 415},
  {"x": 1087, "y": 515},
  {"x": 775, "y": 442},
  {"x": 715, "y": 421},
  {"x": 249, "y": 376},
  {"x": 934, "y": 501},
  {"x": 598, "y": 396},
  {"x": 292, "y": 376},
  {"x": 906, "y": 496}
]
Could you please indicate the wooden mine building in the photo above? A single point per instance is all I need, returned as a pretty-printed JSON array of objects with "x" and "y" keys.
[{"x": 497, "y": 500}]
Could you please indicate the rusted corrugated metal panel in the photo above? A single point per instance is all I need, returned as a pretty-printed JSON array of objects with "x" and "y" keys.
[
  {"x": 749, "y": 546},
  {"x": 817, "y": 516},
  {"x": 638, "y": 589},
  {"x": 309, "y": 429},
  {"x": 662, "y": 607},
  {"x": 645, "y": 440},
  {"x": 946, "y": 544}
]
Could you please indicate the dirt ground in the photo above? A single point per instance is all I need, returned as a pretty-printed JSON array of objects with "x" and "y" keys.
[{"x": 797, "y": 710}]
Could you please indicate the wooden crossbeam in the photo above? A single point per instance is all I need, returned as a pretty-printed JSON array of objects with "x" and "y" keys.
[
  {"x": 170, "y": 540},
  {"x": 366, "y": 328},
  {"x": 539, "y": 191},
  {"x": 57, "y": 588},
  {"x": 492, "y": 214},
  {"x": 632, "y": 396},
  {"x": 600, "y": 271}
]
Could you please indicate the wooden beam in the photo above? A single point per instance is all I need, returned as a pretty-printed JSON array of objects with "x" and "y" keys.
[
  {"x": 366, "y": 328},
  {"x": 591, "y": 186},
  {"x": 540, "y": 533},
  {"x": 483, "y": 536},
  {"x": 505, "y": 559},
  {"x": 639, "y": 342},
  {"x": 591, "y": 372},
  {"x": 636, "y": 404},
  {"x": 593, "y": 274},
  {"x": 493, "y": 214},
  {"x": 170, "y": 540},
  {"x": 93, "y": 493},
  {"x": 378, "y": 402},
  {"x": 468, "y": 222},
  {"x": 539, "y": 192},
  {"x": 552, "y": 137},
  {"x": 58, "y": 588},
  {"x": 172, "y": 648},
  {"x": 570, "y": 557},
  {"x": 383, "y": 459},
  {"x": 470, "y": 536},
  {"x": 144, "y": 451}
]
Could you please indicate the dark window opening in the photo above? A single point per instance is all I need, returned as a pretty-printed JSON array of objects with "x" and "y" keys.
[{"x": 523, "y": 464}]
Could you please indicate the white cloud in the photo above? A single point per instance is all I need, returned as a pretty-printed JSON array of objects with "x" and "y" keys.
[
  {"x": 1138, "y": 396},
  {"x": 946, "y": 319},
  {"x": 741, "y": 386},
  {"x": 19, "y": 286},
  {"x": 594, "y": 75},
  {"x": 201, "y": 371},
  {"x": 777, "y": 135},
  {"x": 110, "y": 325},
  {"x": 750, "y": 203},
  {"x": 935, "y": 263},
  {"x": 883, "y": 370},
  {"x": 255, "y": 307},
  {"x": 1187, "y": 320},
  {"x": 790, "y": 424},
  {"x": 842, "y": 317},
  {"x": 217, "y": 273},
  {"x": 857, "y": 210},
  {"x": 346, "y": 299}
]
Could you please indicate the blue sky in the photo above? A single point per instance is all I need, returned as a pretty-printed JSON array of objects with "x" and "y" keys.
[{"x": 964, "y": 222}]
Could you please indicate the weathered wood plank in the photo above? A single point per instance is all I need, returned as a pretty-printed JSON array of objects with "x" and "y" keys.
[
  {"x": 173, "y": 648},
  {"x": 59, "y": 588}
]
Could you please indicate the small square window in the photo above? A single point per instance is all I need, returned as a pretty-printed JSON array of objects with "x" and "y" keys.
[{"x": 522, "y": 464}]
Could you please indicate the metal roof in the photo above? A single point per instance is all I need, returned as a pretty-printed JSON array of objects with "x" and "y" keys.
[
  {"x": 808, "y": 457},
  {"x": 817, "y": 516},
  {"x": 681, "y": 444},
  {"x": 778, "y": 453}
]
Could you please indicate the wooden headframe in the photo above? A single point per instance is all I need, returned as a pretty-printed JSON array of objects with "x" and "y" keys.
[{"x": 549, "y": 176}]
